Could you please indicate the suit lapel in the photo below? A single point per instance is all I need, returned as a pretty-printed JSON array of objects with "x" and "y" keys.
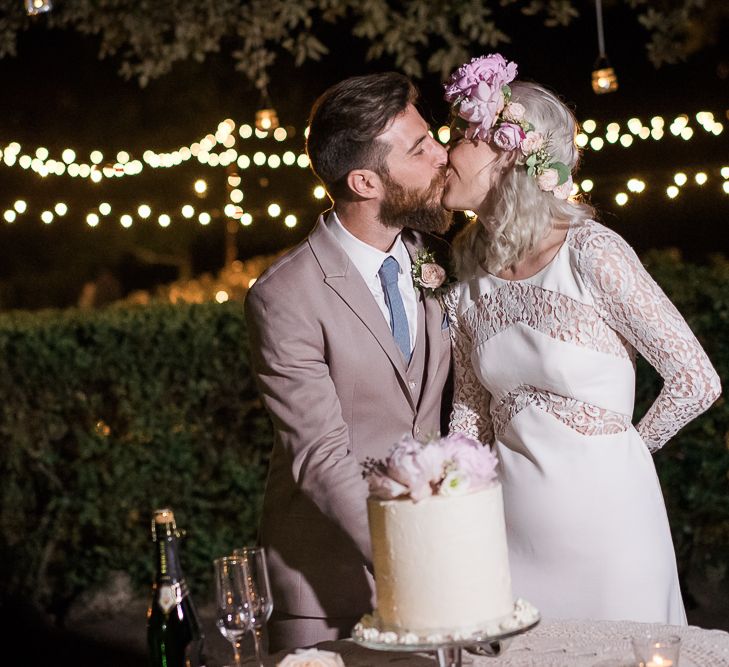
[
  {"x": 433, "y": 317},
  {"x": 344, "y": 278}
]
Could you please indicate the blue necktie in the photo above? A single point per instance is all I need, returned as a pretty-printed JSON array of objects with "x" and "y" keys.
[{"x": 398, "y": 318}]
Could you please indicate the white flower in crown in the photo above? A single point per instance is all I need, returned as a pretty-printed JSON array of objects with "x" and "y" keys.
[
  {"x": 532, "y": 142},
  {"x": 564, "y": 190}
]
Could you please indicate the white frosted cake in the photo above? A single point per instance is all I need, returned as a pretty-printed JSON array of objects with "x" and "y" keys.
[{"x": 441, "y": 564}]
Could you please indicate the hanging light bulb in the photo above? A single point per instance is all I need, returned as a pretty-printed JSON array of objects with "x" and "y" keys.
[
  {"x": 266, "y": 116},
  {"x": 604, "y": 79},
  {"x": 35, "y": 7}
]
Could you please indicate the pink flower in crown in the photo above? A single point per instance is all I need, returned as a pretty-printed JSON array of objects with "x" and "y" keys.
[
  {"x": 563, "y": 191},
  {"x": 533, "y": 141},
  {"x": 548, "y": 180},
  {"x": 514, "y": 112},
  {"x": 508, "y": 136},
  {"x": 478, "y": 86}
]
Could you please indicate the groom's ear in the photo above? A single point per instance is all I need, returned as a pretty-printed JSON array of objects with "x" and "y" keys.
[{"x": 365, "y": 184}]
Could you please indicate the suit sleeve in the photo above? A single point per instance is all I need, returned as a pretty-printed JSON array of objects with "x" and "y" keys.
[{"x": 287, "y": 350}]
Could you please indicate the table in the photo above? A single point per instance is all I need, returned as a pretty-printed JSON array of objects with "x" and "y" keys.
[{"x": 559, "y": 644}]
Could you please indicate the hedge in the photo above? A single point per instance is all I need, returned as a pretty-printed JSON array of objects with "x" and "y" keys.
[{"x": 106, "y": 415}]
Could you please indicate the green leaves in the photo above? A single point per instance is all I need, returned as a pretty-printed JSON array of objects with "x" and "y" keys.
[{"x": 106, "y": 415}]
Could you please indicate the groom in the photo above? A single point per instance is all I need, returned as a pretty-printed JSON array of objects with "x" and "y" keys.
[{"x": 349, "y": 354}]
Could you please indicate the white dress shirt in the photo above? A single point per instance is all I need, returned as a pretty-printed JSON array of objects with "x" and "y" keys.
[{"x": 368, "y": 260}]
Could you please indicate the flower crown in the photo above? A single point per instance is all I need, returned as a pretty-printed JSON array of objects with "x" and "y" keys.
[{"x": 479, "y": 93}]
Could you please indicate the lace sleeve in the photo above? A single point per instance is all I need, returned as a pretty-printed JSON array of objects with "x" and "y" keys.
[
  {"x": 634, "y": 305},
  {"x": 471, "y": 400}
]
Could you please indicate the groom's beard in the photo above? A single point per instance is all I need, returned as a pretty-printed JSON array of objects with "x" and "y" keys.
[{"x": 417, "y": 209}]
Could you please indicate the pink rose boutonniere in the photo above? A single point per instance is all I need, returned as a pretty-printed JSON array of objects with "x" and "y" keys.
[{"x": 428, "y": 274}]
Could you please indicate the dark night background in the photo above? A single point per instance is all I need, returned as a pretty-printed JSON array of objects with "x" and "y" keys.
[{"x": 57, "y": 94}]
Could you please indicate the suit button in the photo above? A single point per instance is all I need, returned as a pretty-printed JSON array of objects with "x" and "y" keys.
[
  {"x": 417, "y": 430},
  {"x": 412, "y": 384}
]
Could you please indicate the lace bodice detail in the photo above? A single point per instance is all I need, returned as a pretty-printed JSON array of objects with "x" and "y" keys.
[
  {"x": 628, "y": 312},
  {"x": 582, "y": 417}
]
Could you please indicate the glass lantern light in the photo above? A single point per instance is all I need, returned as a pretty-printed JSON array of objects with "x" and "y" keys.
[
  {"x": 266, "y": 119},
  {"x": 35, "y": 7},
  {"x": 604, "y": 79}
]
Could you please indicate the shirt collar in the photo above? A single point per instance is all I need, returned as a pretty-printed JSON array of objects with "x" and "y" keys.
[{"x": 365, "y": 257}]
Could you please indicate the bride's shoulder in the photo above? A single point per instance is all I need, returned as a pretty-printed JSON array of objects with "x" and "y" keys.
[{"x": 591, "y": 236}]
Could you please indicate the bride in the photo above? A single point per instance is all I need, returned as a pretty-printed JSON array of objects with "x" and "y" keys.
[{"x": 546, "y": 320}]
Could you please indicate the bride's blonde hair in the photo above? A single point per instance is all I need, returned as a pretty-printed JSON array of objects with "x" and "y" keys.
[{"x": 516, "y": 215}]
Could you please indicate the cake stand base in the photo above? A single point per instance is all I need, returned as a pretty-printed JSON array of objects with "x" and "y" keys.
[{"x": 491, "y": 641}]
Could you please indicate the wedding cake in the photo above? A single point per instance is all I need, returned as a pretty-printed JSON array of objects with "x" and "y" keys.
[{"x": 439, "y": 548}]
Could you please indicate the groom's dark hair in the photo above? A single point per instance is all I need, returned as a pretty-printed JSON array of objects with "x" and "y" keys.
[{"x": 345, "y": 122}]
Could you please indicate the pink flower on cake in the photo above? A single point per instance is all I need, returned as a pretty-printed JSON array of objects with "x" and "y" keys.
[
  {"x": 548, "y": 180},
  {"x": 508, "y": 136},
  {"x": 452, "y": 465},
  {"x": 533, "y": 141},
  {"x": 469, "y": 456},
  {"x": 412, "y": 465},
  {"x": 563, "y": 191},
  {"x": 382, "y": 486},
  {"x": 432, "y": 276}
]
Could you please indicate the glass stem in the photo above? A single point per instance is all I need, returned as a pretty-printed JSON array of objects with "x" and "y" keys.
[
  {"x": 257, "y": 636},
  {"x": 237, "y": 651}
]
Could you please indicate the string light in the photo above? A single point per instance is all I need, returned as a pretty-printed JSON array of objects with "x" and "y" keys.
[
  {"x": 680, "y": 178},
  {"x": 126, "y": 220},
  {"x": 47, "y": 217},
  {"x": 164, "y": 220},
  {"x": 20, "y": 206},
  {"x": 10, "y": 215},
  {"x": 92, "y": 219},
  {"x": 60, "y": 208},
  {"x": 274, "y": 210},
  {"x": 290, "y": 220},
  {"x": 200, "y": 186},
  {"x": 320, "y": 192},
  {"x": 204, "y": 218}
]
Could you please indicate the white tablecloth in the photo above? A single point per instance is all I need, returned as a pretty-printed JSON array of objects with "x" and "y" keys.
[{"x": 560, "y": 644}]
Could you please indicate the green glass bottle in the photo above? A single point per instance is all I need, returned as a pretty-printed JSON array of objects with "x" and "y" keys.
[{"x": 174, "y": 635}]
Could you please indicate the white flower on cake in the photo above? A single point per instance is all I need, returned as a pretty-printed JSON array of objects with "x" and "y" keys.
[
  {"x": 449, "y": 466},
  {"x": 312, "y": 657}
]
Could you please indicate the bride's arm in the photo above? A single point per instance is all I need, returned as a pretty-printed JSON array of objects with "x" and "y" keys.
[
  {"x": 635, "y": 306},
  {"x": 471, "y": 400}
]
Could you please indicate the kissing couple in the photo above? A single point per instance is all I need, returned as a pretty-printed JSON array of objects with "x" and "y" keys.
[{"x": 357, "y": 339}]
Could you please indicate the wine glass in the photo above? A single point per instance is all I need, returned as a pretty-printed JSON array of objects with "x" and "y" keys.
[
  {"x": 233, "y": 608},
  {"x": 258, "y": 590}
]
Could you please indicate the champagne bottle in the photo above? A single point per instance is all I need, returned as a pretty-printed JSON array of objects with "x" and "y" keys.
[{"x": 174, "y": 636}]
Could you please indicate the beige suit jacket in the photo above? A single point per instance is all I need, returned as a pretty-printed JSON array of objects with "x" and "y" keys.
[{"x": 338, "y": 391}]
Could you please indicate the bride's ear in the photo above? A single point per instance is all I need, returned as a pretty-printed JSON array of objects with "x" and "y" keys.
[{"x": 365, "y": 184}]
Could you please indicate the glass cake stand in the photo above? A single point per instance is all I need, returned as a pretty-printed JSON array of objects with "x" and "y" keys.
[{"x": 490, "y": 642}]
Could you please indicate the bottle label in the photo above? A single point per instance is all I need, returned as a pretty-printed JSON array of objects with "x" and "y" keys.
[{"x": 170, "y": 595}]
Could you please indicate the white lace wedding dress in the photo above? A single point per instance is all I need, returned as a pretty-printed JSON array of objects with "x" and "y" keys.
[{"x": 545, "y": 371}]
